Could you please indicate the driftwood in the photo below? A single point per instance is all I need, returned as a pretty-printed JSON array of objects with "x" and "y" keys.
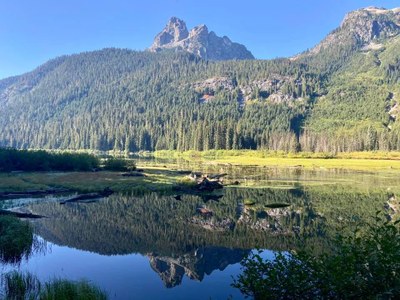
[
  {"x": 217, "y": 176},
  {"x": 33, "y": 193},
  {"x": 133, "y": 174},
  {"x": 90, "y": 196},
  {"x": 208, "y": 185},
  {"x": 20, "y": 214},
  {"x": 198, "y": 176}
]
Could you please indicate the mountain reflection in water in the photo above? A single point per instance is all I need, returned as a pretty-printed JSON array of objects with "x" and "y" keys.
[{"x": 179, "y": 240}]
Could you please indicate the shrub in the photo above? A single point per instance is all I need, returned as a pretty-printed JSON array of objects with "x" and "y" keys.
[
  {"x": 365, "y": 265},
  {"x": 119, "y": 164}
]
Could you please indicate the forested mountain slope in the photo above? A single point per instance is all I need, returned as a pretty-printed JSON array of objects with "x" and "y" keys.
[{"x": 339, "y": 96}]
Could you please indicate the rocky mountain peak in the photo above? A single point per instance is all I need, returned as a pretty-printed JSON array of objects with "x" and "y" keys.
[
  {"x": 362, "y": 27},
  {"x": 198, "y": 41},
  {"x": 174, "y": 31}
]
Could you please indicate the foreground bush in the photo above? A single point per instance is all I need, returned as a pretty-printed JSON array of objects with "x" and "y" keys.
[
  {"x": 16, "y": 238},
  {"x": 365, "y": 265},
  {"x": 17, "y": 286}
]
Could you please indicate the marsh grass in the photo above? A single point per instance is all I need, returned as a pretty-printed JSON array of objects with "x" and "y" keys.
[
  {"x": 61, "y": 289},
  {"x": 376, "y": 160},
  {"x": 155, "y": 179},
  {"x": 18, "y": 286}
]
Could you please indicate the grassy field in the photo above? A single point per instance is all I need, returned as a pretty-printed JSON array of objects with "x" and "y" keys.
[
  {"x": 363, "y": 161},
  {"x": 155, "y": 179},
  {"x": 163, "y": 175}
]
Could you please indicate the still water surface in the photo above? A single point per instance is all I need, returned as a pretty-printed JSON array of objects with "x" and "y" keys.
[{"x": 137, "y": 246}]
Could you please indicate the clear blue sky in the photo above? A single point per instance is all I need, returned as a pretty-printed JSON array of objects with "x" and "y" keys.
[{"x": 33, "y": 31}]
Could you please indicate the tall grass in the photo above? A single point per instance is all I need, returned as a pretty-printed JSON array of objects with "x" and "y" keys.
[
  {"x": 18, "y": 286},
  {"x": 62, "y": 289}
]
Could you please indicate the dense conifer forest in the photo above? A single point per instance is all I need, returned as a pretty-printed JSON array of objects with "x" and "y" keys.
[{"x": 339, "y": 98}]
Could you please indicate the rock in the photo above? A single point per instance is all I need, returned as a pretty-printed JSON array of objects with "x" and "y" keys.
[
  {"x": 208, "y": 197},
  {"x": 198, "y": 41},
  {"x": 361, "y": 28},
  {"x": 208, "y": 185},
  {"x": 204, "y": 211}
]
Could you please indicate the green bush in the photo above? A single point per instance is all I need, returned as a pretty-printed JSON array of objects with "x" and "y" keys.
[
  {"x": 119, "y": 164},
  {"x": 365, "y": 265}
]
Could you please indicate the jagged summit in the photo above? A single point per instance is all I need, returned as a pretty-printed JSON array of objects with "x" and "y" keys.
[
  {"x": 198, "y": 41},
  {"x": 173, "y": 32}
]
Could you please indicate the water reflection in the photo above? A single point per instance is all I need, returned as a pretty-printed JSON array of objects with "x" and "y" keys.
[
  {"x": 193, "y": 236},
  {"x": 179, "y": 239},
  {"x": 195, "y": 264}
]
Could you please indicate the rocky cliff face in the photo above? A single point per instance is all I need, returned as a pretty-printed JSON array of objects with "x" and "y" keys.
[
  {"x": 363, "y": 27},
  {"x": 198, "y": 41}
]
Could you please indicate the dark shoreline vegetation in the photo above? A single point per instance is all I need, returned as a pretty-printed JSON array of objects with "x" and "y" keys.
[
  {"x": 24, "y": 160},
  {"x": 14, "y": 160}
]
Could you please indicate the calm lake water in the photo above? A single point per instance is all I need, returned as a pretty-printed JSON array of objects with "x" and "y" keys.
[{"x": 137, "y": 246}]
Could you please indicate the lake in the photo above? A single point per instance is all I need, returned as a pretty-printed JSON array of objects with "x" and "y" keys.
[{"x": 138, "y": 245}]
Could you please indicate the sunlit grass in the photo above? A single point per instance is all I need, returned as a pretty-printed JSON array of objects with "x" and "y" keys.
[
  {"x": 155, "y": 179},
  {"x": 350, "y": 164}
]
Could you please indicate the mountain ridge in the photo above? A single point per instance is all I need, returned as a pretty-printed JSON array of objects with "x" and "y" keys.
[{"x": 343, "y": 97}]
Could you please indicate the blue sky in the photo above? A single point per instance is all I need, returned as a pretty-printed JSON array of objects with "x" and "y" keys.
[{"x": 31, "y": 32}]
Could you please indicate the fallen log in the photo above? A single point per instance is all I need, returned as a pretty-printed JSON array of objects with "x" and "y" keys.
[
  {"x": 133, "y": 174},
  {"x": 33, "y": 192},
  {"x": 217, "y": 176},
  {"x": 90, "y": 196},
  {"x": 4, "y": 212}
]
